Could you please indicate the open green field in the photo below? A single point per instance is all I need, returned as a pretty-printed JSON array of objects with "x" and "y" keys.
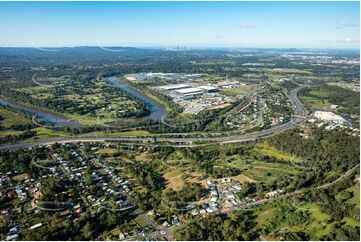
[
  {"x": 316, "y": 103},
  {"x": 268, "y": 172},
  {"x": 316, "y": 226},
  {"x": 265, "y": 149},
  {"x": 323, "y": 96},
  {"x": 9, "y": 118},
  {"x": 264, "y": 214},
  {"x": 42, "y": 132},
  {"x": 258, "y": 170},
  {"x": 238, "y": 90},
  {"x": 116, "y": 134},
  {"x": 286, "y": 70},
  {"x": 141, "y": 222},
  {"x": 354, "y": 196},
  {"x": 351, "y": 221},
  {"x": 8, "y": 132},
  {"x": 355, "y": 200}
]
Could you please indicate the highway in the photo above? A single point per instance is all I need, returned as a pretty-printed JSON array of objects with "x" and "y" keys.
[
  {"x": 298, "y": 192},
  {"x": 299, "y": 113}
]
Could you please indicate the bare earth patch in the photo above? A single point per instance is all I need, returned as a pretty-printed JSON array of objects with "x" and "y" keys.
[
  {"x": 144, "y": 157},
  {"x": 242, "y": 178},
  {"x": 21, "y": 177},
  {"x": 106, "y": 151},
  {"x": 176, "y": 180}
]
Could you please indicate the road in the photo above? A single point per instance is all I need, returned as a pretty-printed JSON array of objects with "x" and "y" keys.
[
  {"x": 299, "y": 112},
  {"x": 221, "y": 139},
  {"x": 297, "y": 192},
  {"x": 168, "y": 231},
  {"x": 297, "y": 105},
  {"x": 138, "y": 211}
]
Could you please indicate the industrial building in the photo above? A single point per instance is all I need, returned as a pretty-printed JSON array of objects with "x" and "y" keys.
[
  {"x": 188, "y": 93},
  {"x": 174, "y": 87},
  {"x": 190, "y": 90},
  {"x": 329, "y": 116},
  {"x": 209, "y": 88}
]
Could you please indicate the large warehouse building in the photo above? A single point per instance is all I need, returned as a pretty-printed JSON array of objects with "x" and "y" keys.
[
  {"x": 174, "y": 87},
  {"x": 329, "y": 116}
]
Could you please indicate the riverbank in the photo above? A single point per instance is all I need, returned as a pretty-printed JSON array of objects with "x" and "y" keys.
[
  {"x": 158, "y": 109},
  {"x": 48, "y": 116}
]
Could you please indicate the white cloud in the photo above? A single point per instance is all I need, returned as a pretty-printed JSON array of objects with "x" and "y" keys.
[
  {"x": 344, "y": 25},
  {"x": 349, "y": 40},
  {"x": 345, "y": 40},
  {"x": 246, "y": 26}
]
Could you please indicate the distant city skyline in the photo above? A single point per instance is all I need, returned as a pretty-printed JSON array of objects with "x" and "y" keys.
[{"x": 190, "y": 24}]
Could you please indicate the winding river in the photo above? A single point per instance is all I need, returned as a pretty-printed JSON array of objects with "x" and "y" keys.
[
  {"x": 157, "y": 111},
  {"x": 48, "y": 119}
]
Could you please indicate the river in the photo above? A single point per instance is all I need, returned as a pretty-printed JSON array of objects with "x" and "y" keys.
[
  {"x": 157, "y": 111},
  {"x": 48, "y": 119}
]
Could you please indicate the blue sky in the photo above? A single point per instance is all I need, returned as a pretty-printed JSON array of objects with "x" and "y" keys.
[{"x": 198, "y": 24}]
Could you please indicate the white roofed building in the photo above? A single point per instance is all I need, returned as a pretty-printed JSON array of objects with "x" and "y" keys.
[
  {"x": 174, "y": 87},
  {"x": 329, "y": 116}
]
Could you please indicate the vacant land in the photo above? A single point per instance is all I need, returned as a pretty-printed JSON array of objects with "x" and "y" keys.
[
  {"x": 177, "y": 178},
  {"x": 286, "y": 70},
  {"x": 242, "y": 90},
  {"x": 265, "y": 149},
  {"x": 9, "y": 118},
  {"x": 115, "y": 134},
  {"x": 322, "y": 97}
]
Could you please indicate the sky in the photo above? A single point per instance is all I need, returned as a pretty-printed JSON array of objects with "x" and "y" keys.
[{"x": 191, "y": 24}]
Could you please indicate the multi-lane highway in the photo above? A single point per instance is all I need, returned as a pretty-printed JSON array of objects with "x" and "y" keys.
[{"x": 299, "y": 112}]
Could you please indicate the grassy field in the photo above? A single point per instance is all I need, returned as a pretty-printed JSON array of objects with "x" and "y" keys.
[
  {"x": 42, "y": 132},
  {"x": 238, "y": 90},
  {"x": 316, "y": 103},
  {"x": 117, "y": 134},
  {"x": 241, "y": 178},
  {"x": 265, "y": 149},
  {"x": 322, "y": 97},
  {"x": 21, "y": 177},
  {"x": 141, "y": 222},
  {"x": 174, "y": 179},
  {"x": 351, "y": 221},
  {"x": 258, "y": 170},
  {"x": 264, "y": 214},
  {"x": 355, "y": 199},
  {"x": 316, "y": 226},
  {"x": 106, "y": 151},
  {"x": 4, "y": 133},
  {"x": 177, "y": 178},
  {"x": 11, "y": 118},
  {"x": 286, "y": 70},
  {"x": 144, "y": 157}
]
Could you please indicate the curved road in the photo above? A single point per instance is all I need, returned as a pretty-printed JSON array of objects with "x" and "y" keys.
[{"x": 299, "y": 114}]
